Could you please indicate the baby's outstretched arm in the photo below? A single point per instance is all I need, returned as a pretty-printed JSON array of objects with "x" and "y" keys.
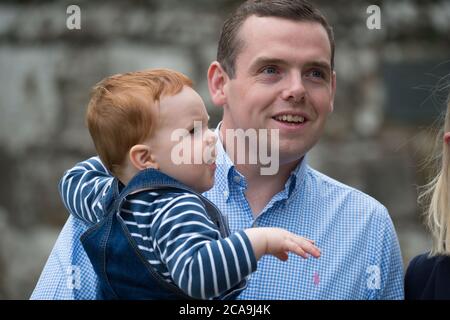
[
  {"x": 279, "y": 242},
  {"x": 202, "y": 263}
]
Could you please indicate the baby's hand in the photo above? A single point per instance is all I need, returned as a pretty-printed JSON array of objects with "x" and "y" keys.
[{"x": 279, "y": 242}]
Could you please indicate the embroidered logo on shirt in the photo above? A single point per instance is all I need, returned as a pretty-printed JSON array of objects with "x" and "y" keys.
[{"x": 316, "y": 278}]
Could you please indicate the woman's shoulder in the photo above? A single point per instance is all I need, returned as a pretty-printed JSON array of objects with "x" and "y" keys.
[
  {"x": 424, "y": 262},
  {"x": 428, "y": 277}
]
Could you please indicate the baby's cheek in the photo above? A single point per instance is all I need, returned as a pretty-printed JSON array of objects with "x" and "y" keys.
[{"x": 197, "y": 148}]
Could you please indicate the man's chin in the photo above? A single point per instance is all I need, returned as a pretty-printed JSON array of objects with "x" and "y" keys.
[
  {"x": 290, "y": 155},
  {"x": 287, "y": 160},
  {"x": 290, "y": 151}
]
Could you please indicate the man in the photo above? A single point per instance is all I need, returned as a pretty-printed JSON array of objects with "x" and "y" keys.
[{"x": 274, "y": 70}]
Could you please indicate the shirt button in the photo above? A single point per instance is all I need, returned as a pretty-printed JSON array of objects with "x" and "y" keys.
[
  {"x": 237, "y": 179},
  {"x": 225, "y": 193}
]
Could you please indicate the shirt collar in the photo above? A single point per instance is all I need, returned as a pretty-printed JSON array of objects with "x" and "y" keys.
[
  {"x": 296, "y": 178},
  {"x": 226, "y": 172},
  {"x": 225, "y": 167}
]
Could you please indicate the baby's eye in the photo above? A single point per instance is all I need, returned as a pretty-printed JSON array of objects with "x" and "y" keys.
[{"x": 192, "y": 131}]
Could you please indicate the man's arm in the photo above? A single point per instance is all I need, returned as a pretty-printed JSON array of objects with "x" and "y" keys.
[
  {"x": 83, "y": 187},
  {"x": 68, "y": 273},
  {"x": 391, "y": 264}
]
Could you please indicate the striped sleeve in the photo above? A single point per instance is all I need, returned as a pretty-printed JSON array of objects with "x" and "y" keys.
[
  {"x": 82, "y": 187},
  {"x": 200, "y": 262}
]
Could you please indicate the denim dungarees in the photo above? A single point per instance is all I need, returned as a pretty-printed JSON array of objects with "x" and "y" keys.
[{"x": 123, "y": 271}]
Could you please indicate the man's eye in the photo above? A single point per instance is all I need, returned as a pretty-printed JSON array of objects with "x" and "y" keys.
[
  {"x": 317, "y": 74},
  {"x": 270, "y": 70},
  {"x": 192, "y": 131}
]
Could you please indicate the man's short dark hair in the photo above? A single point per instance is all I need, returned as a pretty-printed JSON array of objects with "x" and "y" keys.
[{"x": 296, "y": 10}]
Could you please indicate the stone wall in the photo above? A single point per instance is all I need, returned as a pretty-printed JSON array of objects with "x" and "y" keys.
[{"x": 46, "y": 72}]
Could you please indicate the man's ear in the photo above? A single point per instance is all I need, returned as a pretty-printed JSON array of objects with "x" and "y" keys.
[
  {"x": 333, "y": 90},
  {"x": 141, "y": 157},
  {"x": 217, "y": 78}
]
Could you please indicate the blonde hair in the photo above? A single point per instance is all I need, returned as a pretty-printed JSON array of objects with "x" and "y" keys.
[
  {"x": 436, "y": 194},
  {"x": 122, "y": 110}
]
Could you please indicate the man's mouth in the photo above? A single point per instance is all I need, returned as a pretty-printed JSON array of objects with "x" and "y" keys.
[{"x": 290, "y": 119}]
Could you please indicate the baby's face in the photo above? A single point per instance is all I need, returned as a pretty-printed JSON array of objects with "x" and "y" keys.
[{"x": 183, "y": 146}]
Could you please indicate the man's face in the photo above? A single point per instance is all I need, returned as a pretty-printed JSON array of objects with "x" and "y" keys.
[{"x": 283, "y": 80}]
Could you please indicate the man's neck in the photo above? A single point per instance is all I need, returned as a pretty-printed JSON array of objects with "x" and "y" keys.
[{"x": 262, "y": 188}]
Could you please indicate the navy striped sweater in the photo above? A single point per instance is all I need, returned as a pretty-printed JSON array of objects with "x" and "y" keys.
[{"x": 172, "y": 230}]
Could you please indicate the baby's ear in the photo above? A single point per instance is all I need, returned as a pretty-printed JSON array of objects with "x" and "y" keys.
[{"x": 142, "y": 158}]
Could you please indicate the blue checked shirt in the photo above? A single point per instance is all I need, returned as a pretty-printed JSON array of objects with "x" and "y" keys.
[{"x": 360, "y": 258}]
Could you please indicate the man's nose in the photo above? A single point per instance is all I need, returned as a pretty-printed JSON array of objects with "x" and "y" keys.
[{"x": 295, "y": 90}]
